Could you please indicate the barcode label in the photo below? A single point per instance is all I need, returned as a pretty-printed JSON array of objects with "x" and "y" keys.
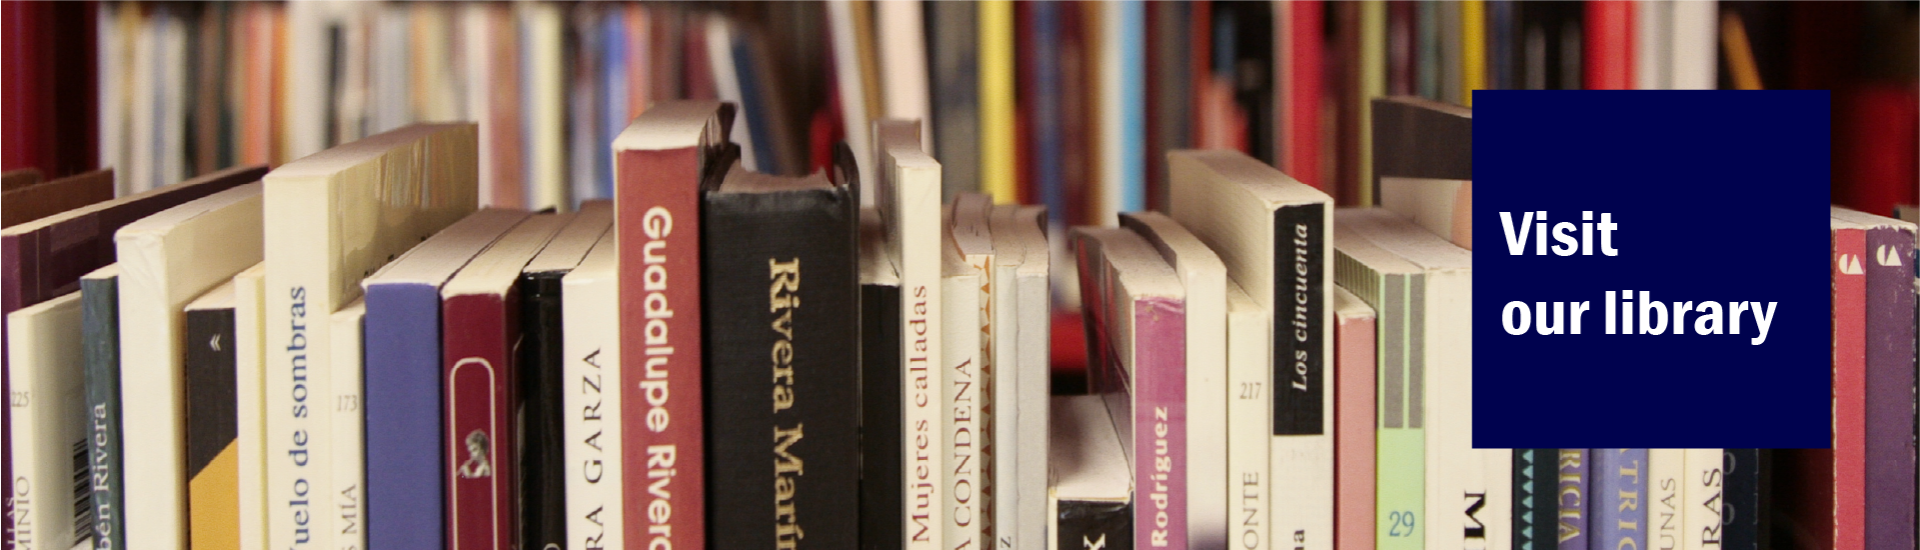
[{"x": 82, "y": 492}]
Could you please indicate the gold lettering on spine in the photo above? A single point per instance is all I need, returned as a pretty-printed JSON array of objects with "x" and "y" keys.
[{"x": 783, "y": 297}]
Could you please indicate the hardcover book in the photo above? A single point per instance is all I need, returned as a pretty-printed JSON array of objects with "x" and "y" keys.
[
  {"x": 780, "y": 282},
  {"x": 1841, "y": 521},
  {"x": 1619, "y": 508},
  {"x": 909, "y": 204},
  {"x": 213, "y": 459},
  {"x": 250, "y": 414},
  {"x": 100, "y": 334},
  {"x": 1022, "y": 266},
  {"x": 44, "y": 258},
  {"x": 1888, "y": 502},
  {"x": 1090, "y": 487},
  {"x": 1205, "y": 281},
  {"x": 543, "y": 382},
  {"x": 482, "y": 401},
  {"x": 589, "y": 304},
  {"x": 1574, "y": 496},
  {"x": 1273, "y": 234},
  {"x": 49, "y": 454},
  {"x": 403, "y": 372},
  {"x": 1745, "y": 513},
  {"x": 335, "y": 222},
  {"x": 1140, "y": 326},
  {"x": 660, "y": 162},
  {"x": 882, "y": 452},
  {"x": 1354, "y": 362},
  {"x": 167, "y": 260},
  {"x": 1250, "y": 422}
]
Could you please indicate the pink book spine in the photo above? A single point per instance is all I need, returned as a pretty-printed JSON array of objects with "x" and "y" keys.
[
  {"x": 1353, "y": 425},
  {"x": 1160, "y": 424}
]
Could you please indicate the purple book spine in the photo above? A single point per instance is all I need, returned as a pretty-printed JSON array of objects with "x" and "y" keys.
[
  {"x": 1619, "y": 499},
  {"x": 1160, "y": 424},
  {"x": 1890, "y": 389},
  {"x": 404, "y": 505},
  {"x": 1573, "y": 497}
]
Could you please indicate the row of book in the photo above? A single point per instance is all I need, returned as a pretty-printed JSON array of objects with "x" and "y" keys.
[{"x": 347, "y": 351}]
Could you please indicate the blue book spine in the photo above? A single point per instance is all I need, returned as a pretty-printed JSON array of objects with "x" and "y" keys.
[
  {"x": 404, "y": 486},
  {"x": 1133, "y": 106},
  {"x": 614, "y": 79},
  {"x": 1619, "y": 499},
  {"x": 100, "y": 330},
  {"x": 1048, "y": 115}
]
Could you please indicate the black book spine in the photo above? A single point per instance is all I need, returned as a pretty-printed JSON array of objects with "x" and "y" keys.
[
  {"x": 881, "y": 449},
  {"x": 1087, "y": 525},
  {"x": 1299, "y": 233},
  {"x": 1535, "y": 511},
  {"x": 1744, "y": 513},
  {"x": 100, "y": 331},
  {"x": 780, "y": 289},
  {"x": 543, "y": 472},
  {"x": 213, "y": 408}
]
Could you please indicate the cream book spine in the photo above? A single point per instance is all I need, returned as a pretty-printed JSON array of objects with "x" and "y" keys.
[
  {"x": 589, "y": 311},
  {"x": 167, "y": 260},
  {"x": 1702, "y": 489},
  {"x": 349, "y": 496},
  {"x": 960, "y": 397},
  {"x": 47, "y": 375},
  {"x": 909, "y": 204},
  {"x": 1249, "y": 421},
  {"x": 250, "y": 412}
]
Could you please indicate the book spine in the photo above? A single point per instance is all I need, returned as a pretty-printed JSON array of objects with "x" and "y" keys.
[
  {"x": 543, "y": 480},
  {"x": 49, "y": 491},
  {"x": 1574, "y": 494},
  {"x": 923, "y": 348},
  {"x": 348, "y": 502},
  {"x": 1081, "y": 525},
  {"x": 100, "y": 330},
  {"x": 1250, "y": 424},
  {"x": 212, "y": 459},
  {"x": 1665, "y": 504},
  {"x": 883, "y": 453},
  {"x": 1401, "y": 510},
  {"x": 480, "y": 412},
  {"x": 1619, "y": 509},
  {"x": 403, "y": 425},
  {"x": 786, "y": 290},
  {"x": 27, "y": 511},
  {"x": 1704, "y": 488},
  {"x": 250, "y": 425},
  {"x": 1849, "y": 392},
  {"x": 299, "y": 443},
  {"x": 1302, "y": 455},
  {"x": 660, "y": 272},
  {"x": 1888, "y": 505},
  {"x": 1746, "y": 504},
  {"x": 1354, "y": 361},
  {"x": 1002, "y": 408},
  {"x": 1036, "y": 305},
  {"x": 1160, "y": 423},
  {"x": 960, "y": 296},
  {"x": 591, "y": 400},
  {"x": 1536, "y": 514}
]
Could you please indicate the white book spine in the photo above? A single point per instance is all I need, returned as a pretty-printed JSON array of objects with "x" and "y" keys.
[
  {"x": 1495, "y": 517},
  {"x": 1666, "y": 504},
  {"x": 1034, "y": 301},
  {"x": 1702, "y": 490},
  {"x": 1208, "y": 473},
  {"x": 960, "y": 393},
  {"x": 547, "y": 120},
  {"x": 589, "y": 305},
  {"x": 250, "y": 412},
  {"x": 1003, "y": 459},
  {"x": 476, "y": 37},
  {"x": 1456, "y": 478},
  {"x": 1249, "y": 422},
  {"x": 1694, "y": 45},
  {"x": 349, "y": 430},
  {"x": 49, "y": 423},
  {"x": 904, "y": 61},
  {"x": 726, "y": 83}
]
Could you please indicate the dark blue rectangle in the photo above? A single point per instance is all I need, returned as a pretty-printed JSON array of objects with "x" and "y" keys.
[
  {"x": 1718, "y": 196},
  {"x": 404, "y": 482}
]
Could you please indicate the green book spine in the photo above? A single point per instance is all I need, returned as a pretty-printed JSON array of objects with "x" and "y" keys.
[
  {"x": 100, "y": 329},
  {"x": 1400, "y": 495}
]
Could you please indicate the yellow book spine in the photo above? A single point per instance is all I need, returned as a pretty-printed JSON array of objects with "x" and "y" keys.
[
  {"x": 997, "y": 169},
  {"x": 1473, "y": 51}
]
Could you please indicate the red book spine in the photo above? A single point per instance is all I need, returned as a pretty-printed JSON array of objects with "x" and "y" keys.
[
  {"x": 1849, "y": 391},
  {"x": 1353, "y": 425},
  {"x": 657, "y": 215},
  {"x": 1305, "y": 48},
  {"x": 482, "y": 492},
  {"x": 1609, "y": 42},
  {"x": 1159, "y": 423}
]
